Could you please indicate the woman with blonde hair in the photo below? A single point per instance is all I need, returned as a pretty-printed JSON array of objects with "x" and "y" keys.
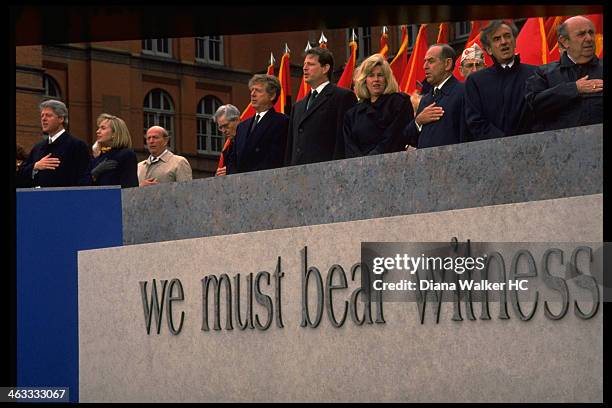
[
  {"x": 116, "y": 164},
  {"x": 375, "y": 124}
]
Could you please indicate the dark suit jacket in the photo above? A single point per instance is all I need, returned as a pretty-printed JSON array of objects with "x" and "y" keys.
[
  {"x": 375, "y": 128},
  {"x": 126, "y": 172},
  {"x": 316, "y": 135},
  {"x": 74, "y": 163},
  {"x": 554, "y": 100},
  {"x": 451, "y": 128},
  {"x": 495, "y": 101},
  {"x": 261, "y": 149}
]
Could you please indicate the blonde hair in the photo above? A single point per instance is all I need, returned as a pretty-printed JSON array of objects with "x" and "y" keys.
[
  {"x": 121, "y": 135},
  {"x": 366, "y": 67}
]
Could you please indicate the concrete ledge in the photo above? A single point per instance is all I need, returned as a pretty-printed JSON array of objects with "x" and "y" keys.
[{"x": 555, "y": 164}]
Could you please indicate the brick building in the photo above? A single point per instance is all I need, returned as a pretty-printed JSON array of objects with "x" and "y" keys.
[{"x": 175, "y": 82}]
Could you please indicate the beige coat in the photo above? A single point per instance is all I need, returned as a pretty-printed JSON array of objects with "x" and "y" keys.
[{"x": 169, "y": 168}]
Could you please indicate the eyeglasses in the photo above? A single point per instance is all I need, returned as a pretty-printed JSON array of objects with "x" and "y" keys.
[{"x": 473, "y": 65}]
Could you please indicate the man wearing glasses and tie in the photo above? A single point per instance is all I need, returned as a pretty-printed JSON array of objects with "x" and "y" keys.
[
  {"x": 260, "y": 140},
  {"x": 315, "y": 128}
]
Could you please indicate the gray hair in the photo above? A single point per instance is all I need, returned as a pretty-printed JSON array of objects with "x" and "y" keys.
[
  {"x": 58, "y": 107},
  {"x": 229, "y": 111},
  {"x": 272, "y": 84},
  {"x": 492, "y": 27}
]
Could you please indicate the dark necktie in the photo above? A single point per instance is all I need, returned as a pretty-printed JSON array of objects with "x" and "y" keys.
[
  {"x": 313, "y": 95},
  {"x": 436, "y": 92},
  {"x": 153, "y": 159},
  {"x": 255, "y": 122}
]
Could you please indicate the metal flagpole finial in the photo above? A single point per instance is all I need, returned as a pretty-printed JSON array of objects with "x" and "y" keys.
[
  {"x": 322, "y": 39},
  {"x": 385, "y": 30},
  {"x": 308, "y": 46},
  {"x": 353, "y": 36},
  {"x": 287, "y": 50},
  {"x": 272, "y": 60}
]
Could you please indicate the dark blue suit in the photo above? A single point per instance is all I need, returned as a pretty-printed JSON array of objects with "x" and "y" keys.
[
  {"x": 263, "y": 147},
  {"x": 451, "y": 127},
  {"x": 74, "y": 163},
  {"x": 126, "y": 172},
  {"x": 376, "y": 128},
  {"x": 495, "y": 101}
]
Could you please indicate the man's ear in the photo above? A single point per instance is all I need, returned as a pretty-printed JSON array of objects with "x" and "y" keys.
[{"x": 326, "y": 68}]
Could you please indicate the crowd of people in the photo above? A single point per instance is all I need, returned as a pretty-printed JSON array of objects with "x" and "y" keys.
[{"x": 506, "y": 99}]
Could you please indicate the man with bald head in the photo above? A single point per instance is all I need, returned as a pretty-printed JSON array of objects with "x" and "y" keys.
[
  {"x": 162, "y": 166},
  {"x": 569, "y": 92}
]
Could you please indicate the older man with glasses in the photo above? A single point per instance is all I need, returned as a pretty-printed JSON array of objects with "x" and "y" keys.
[
  {"x": 227, "y": 118},
  {"x": 472, "y": 60}
]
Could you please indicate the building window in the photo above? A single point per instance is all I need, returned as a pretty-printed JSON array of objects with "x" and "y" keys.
[
  {"x": 463, "y": 30},
  {"x": 159, "y": 111},
  {"x": 209, "y": 49},
  {"x": 210, "y": 139},
  {"x": 51, "y": 87},
  {"x": 157, "y": 46},
  {"x": 364, "y": 41}
]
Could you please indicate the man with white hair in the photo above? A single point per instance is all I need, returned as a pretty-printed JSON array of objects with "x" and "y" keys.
[{"x": 472, "y": 60}]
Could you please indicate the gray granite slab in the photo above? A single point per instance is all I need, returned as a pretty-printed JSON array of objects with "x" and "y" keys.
[{"x": 547, "y": 165}]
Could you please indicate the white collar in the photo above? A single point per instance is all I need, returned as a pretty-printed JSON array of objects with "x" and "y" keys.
[
  {"x": 261, "y": 114},
  {"x": 55, "y": 136},
  {"x": 508, "y": 65},
  {"x": 441, "y": 84},
  {"x": 320, "y": 87}
]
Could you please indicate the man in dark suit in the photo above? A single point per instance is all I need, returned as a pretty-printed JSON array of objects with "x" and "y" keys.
[
  {"x": 60, "y": 160},
  {"x": 440, "y": 118},
  {"x": 315, "y": 128},
  {"x": 569, "y": 92},
  {"x": 495, "y": 97},
  {"x": 261, "y": 139}
]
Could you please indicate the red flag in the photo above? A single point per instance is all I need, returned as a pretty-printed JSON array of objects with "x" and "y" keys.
[
  {"x": 415, "y": 70},
  {"x": 443, "y": 34},
  {"x": 399, "y": 63},
  {"x": 531, "y": 42},
  {"x": 597, "y": 20},
  {"x": 550, "y": 25},
  {"x": 304, "y": 88},
  {"x": 284, "y": 76},
  {"x": 473, "y": 38},
  {"x": 553, "y": 55},
  {"x": 249, "y": 110},
  {"x": 222, "y": 156},
  {"x": 384, "y": 46},
  {"x": 346, "y": 79}
]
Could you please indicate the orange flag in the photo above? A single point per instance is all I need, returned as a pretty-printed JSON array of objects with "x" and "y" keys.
[
  {"x": 399, "y": 63},
  {"x": 283, "y": 104},
  {"x": 443, "y": 34},
  {"x": 384, "y": 46},
  {"x": 249, "y": 110},
  {"x": 597, "y": 20},
  {"x": 531, "y": 42},
  {"x": 415, "y": 71},
  {"x": 346, "y": 79},
  {"x": 473, "y": 38}
]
